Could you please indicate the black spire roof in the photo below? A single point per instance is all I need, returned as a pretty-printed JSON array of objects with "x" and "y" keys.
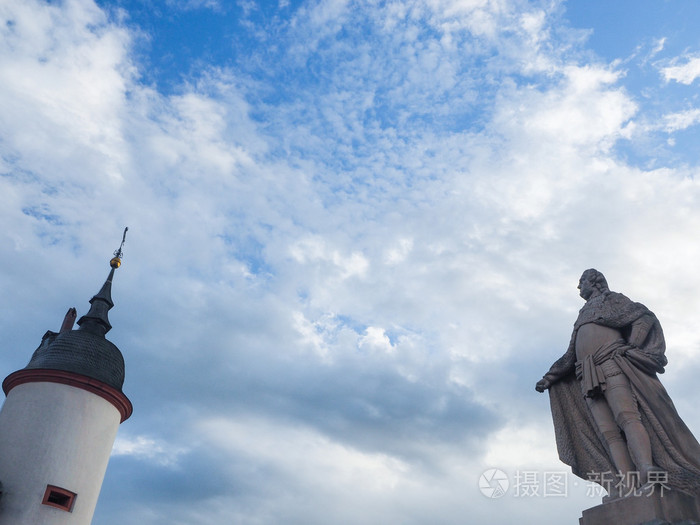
[
  {"x": 96, "y": 320},
  {"x": 86, "y": 351}
]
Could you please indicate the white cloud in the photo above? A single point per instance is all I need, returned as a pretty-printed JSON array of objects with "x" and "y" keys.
[
  {"x": 315, "y": 334},
  {"x": 313, "y": 250},
  {"x": 399, "y": 253},
  {"x": 375, "y": 338},
  {"x": 304, "y": 454},
  {"x": 148, "y": 449},
  {"x": 322, "y": 481},
  {"x": 684, "y": 73},
  {"x": 583, "y": 111},
  {"x": 660, "y": 44},
  {"x": 64, "y": 88},
  {"x": 681, "y": 120}
]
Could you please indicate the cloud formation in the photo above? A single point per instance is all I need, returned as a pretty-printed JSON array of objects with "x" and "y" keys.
[{"x": 685, "y": 73}]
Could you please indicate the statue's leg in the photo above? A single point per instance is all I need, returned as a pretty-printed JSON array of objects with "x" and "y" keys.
[
  {"x": 624, "y": 407},
  {"x": 619, "y": 453}
]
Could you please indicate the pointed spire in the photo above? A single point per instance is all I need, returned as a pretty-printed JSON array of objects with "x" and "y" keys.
[{"x": 96, "y": 320}]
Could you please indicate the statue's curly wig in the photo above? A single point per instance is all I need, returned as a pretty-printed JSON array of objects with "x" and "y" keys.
[{"x": 597, "y": 279}]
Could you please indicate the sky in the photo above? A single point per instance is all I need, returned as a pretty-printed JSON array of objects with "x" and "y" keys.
[{"x": 355, "y": 235}]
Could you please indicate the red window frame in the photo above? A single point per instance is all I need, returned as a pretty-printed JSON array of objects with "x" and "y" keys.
[{"x": 59, "y": 498}]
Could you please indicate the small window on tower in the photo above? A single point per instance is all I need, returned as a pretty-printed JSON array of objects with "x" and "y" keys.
[{"x": 60, "y": 498}]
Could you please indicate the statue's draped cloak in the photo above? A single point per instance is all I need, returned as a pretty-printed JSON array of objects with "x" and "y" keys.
[{"x": 580, "y": 444}]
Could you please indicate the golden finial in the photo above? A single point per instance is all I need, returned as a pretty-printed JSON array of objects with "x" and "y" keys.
[{"x": 116, "y": 261}]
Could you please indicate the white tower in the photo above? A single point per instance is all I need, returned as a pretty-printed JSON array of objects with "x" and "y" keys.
[{"x": 60, "y": 419}]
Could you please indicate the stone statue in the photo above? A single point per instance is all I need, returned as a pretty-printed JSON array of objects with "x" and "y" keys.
[{"x": 612, "y": 416}]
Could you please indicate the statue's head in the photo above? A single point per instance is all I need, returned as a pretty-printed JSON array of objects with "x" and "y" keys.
[{"x": 592, "y": 281}]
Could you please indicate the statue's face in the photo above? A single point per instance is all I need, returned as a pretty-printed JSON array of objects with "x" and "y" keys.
[{"x": 586, "y": 288}]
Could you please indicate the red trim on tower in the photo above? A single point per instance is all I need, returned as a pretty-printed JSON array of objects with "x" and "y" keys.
[{"x": 114, "y": 396}]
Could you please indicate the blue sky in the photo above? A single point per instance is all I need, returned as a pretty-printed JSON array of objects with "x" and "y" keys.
[{"x": 355, "y": 234}]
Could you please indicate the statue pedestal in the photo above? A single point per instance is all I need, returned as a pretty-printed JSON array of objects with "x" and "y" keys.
[{"x": 669, "y": 507}]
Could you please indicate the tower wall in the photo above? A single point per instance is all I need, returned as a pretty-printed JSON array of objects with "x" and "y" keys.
[{"x": 53, "y": 434}]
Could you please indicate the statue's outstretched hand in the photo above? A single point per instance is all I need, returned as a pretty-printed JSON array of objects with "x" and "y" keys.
[{"x": 543, "y": 384}]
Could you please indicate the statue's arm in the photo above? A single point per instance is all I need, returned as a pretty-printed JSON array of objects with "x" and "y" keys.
[
  {"x": 561, "y": 367},
  {"x": 647, "y": 344},
  {"x": 640, "y": 329}
]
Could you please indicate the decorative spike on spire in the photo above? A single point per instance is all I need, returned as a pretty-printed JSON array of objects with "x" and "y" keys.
[
  {"x": 116, "y": 262},
  {"x": 96, "y": 320}
]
